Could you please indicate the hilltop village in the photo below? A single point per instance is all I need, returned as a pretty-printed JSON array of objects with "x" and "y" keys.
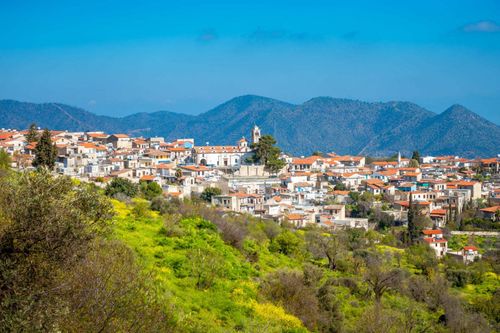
[{"x": 450, "y": 193}]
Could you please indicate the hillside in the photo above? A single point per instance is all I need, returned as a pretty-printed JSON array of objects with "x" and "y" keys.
[
  {"x": 457, "y": 131},
  {"x": 58, "y": 116},
  {"x": 323, "y": 123},
  {"x": 73, "y": 260}
]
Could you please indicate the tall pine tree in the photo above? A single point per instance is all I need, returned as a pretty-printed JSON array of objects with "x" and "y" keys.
[
  {"x": 32, "y": 135},
  {"x": 416, "y": 156},
  {"x": 45, "y": 152},
  {"x": 268, "y": 154}
]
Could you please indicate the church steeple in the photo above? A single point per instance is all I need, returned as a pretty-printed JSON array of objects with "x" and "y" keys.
[{"x": 255, "y": 134}]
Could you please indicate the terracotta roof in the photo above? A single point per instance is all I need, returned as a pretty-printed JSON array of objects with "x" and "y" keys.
[
  {"x": 408, "y": 169},
  {"x": 492, "y": 209},
  {"x": 435, "y": 240},
  {"x": 195, "y": 168},
  {"x": 374, "y": 181},
  {"x": 388, "y": 172},
  {"x": 432, "y": 232},
  {"x": 295, "y": 216},
  {"x": 4, "y": 136},
  {"x": 339, "y": 192},
  {"x": 121, "y": 136},
  {"x": 382, "y": 163},
  {"x": 97, "y": 135},
  {"x": 470, "y": 248},
  {"x": 412, "y": 174},
  {"x": 305, "y": 161},
  {"x": 489, "y": 160},
  {"x": 155, "y": 152},
  {"x": 438, "y": 212},
  {"x": 244, "y": 195},
  {"x": 464, "y": 183},
  {"x": 165, "y": 166},
  {"x": 148, "y": 177}
]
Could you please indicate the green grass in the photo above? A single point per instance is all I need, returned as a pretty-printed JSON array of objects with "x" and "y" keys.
[{"x": 231, "y": 303}]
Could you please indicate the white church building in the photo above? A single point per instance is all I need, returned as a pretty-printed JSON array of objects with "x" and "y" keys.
[{"x": 226, "y": 156}]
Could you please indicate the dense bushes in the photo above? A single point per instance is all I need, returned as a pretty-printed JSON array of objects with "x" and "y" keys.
[
  {"x": 121, "y": 186},
  {"x": 58, "y": 273}
]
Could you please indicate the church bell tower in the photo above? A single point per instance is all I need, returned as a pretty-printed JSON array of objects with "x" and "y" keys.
[{"x": 255, "y": 134}]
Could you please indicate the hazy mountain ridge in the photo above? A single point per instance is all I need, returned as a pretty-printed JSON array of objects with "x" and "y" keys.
[{"x": 322, "y": 123}]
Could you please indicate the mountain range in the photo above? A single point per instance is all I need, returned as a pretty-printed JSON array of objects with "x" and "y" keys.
[{"x": 321, "y": 124}]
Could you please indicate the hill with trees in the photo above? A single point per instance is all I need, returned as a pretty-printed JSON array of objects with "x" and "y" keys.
[
  {"x": 320, "y": 124},
  {"x": 72, "y": 259}
]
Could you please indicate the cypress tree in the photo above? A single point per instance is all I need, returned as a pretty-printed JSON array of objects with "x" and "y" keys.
[
  {"x": 45, "y": 152},
  {"x": 32, "y": 135},
  {"x": 416, "y": 156},
  {"x": 411, "y": 221}
]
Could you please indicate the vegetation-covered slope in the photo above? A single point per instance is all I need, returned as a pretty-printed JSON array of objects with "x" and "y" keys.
[
  {"x": 180, "y": 266},
  {"x": 320, "y": 124}
]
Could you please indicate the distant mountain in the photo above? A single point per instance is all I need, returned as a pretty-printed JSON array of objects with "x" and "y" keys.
[
  {"x": 456, "y": 131},
  {"x": 323, "y": 123},
  {"x": 58, "y": 116}
]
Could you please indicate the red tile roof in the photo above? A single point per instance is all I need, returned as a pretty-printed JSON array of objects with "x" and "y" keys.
[
  {"x": 492, "y": 209},
  {"x": 432, "y": 232}
]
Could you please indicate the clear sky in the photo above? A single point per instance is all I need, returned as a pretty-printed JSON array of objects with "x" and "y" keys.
[{"x": 120, "y": 57}]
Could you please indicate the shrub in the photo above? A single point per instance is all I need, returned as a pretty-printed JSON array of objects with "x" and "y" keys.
[
  {"x": 121, "y": 185},
  {"x": 141, "y": 209},
  {"x": 150, "y": 190},
  {"x": 457, "y": 277},
  {"x": 209, "y": 192},
  {"x": 286, "y": 242}
]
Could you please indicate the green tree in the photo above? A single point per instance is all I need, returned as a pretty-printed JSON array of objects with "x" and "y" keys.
[
  {"x": 317, "y": 153},
  {"x": 416, "y": 222},
  {"x": 416, "y": 156},
  {"x": 268, "y": 154},
  {"x": 325, "y": 245},
  {"x": 413, "y": 163},
  {"x": 46, "y": 226},
  {"x": 380, "y": 277},
  {"x": 150, "y": 190},
  {"x": 209, "y": 192},
  {"x": 121, "y": 185},
  {"x": 178, "y": 175},
  {"x": 5, "y": 160},
  {"x": 286, "y": 242},
  {"x": 340, "y": 187},
  {"x": 32, "y": 135},
  {"x": 45, "y": 152},
  {"x": 423, "y": 257},
  {"x": 206, "y": 266}
]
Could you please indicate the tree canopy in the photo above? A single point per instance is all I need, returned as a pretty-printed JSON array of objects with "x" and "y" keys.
[
  {"x": 32, "y": 135},
  {"x": 267, "y": 153},
  {"x": 209, "y": 192},
  {"x": 416, "y": 156},
  {"x": 45, "y": 152},
  {"x": 121, "y": 185}
]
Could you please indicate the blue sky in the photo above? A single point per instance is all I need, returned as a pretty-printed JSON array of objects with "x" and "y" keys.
[{"x": 120, "y": 57}]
